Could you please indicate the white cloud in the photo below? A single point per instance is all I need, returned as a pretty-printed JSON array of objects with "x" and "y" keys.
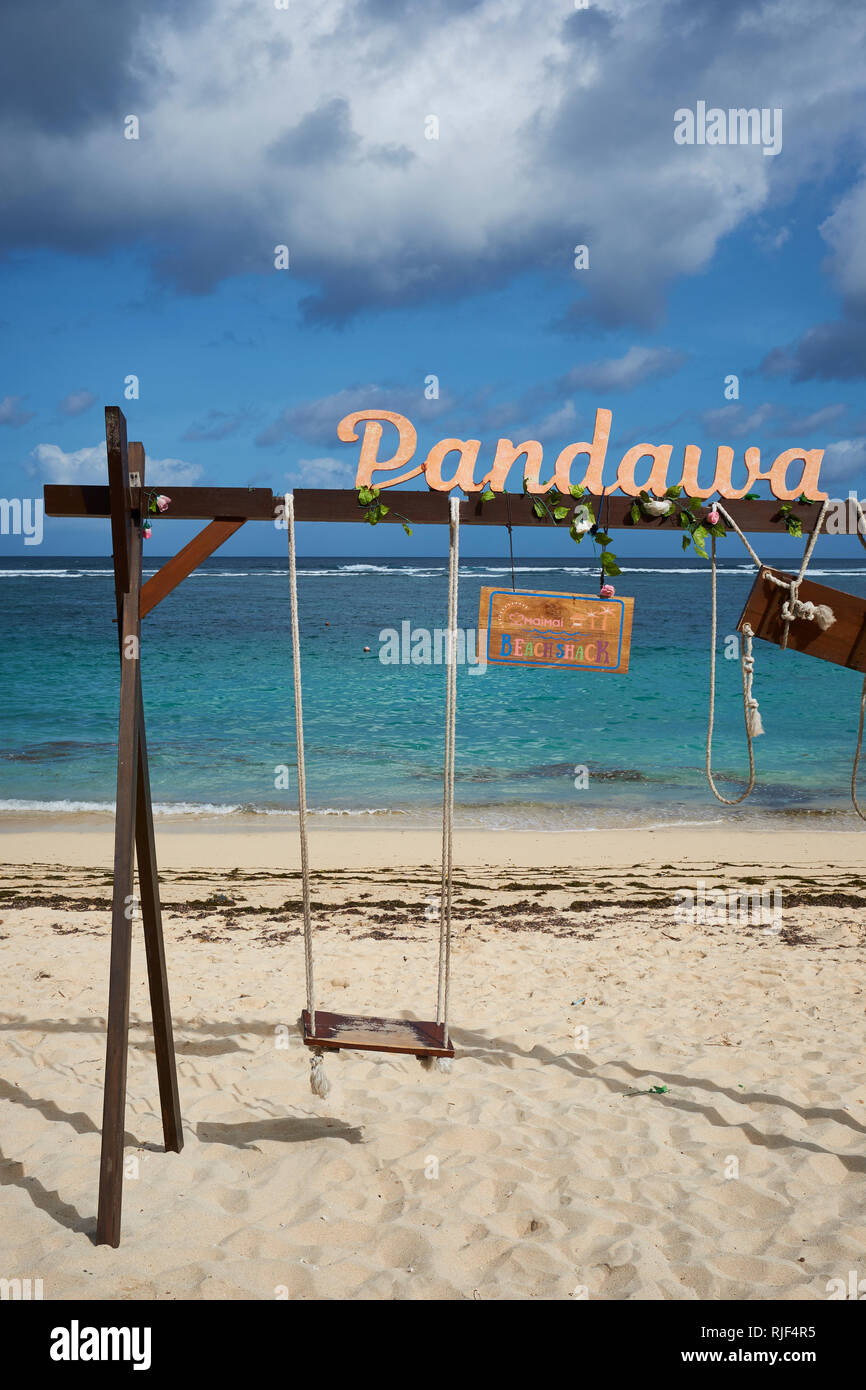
[
  {"x": 845, "y": 233},
  {"x": 734, "y": 422},
  {"x": 815, "y": 420},
  {"x": 174, "y": 471},
  {"x": 76, "y": 403},
  {"x": 844, "y": 461},
  {"x": 321, "y": 472},
  {"x": 316, "y": 420},
  {"x": 558, "y": 422},
  {"x": 90, "y": 465},
  {"x": 624, "y": 373},
  {"x": 12, "y": 412}
]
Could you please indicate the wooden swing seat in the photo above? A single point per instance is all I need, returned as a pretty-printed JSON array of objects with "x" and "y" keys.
[
  {"x": 420, "y": 1039},
  {"x": 844, "y": 643}
]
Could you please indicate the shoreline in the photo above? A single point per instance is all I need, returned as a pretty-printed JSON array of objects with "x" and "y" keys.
[{"x": 224, "y": 845}]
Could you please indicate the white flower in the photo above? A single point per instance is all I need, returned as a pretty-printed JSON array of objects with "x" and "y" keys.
[
  {"x": 657, "y": 506},
  {"x": 583, "y": 519}
]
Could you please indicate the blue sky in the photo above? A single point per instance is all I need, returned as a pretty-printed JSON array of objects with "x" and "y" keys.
[{"x": 411, "y": 256}]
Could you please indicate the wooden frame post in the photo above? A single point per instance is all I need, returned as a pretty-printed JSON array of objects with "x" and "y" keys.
[
  {"x": 154, "y": 947},
  {"x": 133, "y": 831}
]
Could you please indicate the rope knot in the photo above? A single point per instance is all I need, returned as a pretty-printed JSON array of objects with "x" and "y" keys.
[
  {"x": 820, "y": 613},
  {"x": 754, "y": 723}
]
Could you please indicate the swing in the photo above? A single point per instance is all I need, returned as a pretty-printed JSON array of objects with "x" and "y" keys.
[
  {"x": 323, "y": 1031},
  {"x": 791, "y": 612}
]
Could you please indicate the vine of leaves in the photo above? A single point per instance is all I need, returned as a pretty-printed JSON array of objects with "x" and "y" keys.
[{"x": 690, "y": 514}]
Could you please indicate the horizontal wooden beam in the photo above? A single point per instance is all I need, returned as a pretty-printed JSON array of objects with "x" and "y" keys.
[
  {"x": 181, "y": 565},
  {"x": 431, "y": 508},
  {"x": 187, "y": 503},
  {"x": 422, "y": 508}
]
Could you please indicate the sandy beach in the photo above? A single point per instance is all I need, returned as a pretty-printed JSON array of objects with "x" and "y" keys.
[{"x": 549, "y": 1164}]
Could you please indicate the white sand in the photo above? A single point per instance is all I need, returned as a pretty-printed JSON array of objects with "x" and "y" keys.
[{"x": 541, "y": 1166}]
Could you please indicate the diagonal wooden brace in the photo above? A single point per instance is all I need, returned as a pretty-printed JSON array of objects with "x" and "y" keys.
[{"x": 185, "y": 561}]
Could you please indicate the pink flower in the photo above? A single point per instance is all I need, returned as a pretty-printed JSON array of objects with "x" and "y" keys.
[
  {"x": 713, "y": 515},
  {"x": 147, "y": 533},
  {"x": 606, "y": 591},
  {"x": 162, "y": 502}
]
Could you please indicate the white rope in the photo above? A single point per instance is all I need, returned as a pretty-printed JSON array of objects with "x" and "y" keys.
[
  {"x": 730, "y": 520},
  {"x": 857, "y": 807},
  {"x": 318, "y": 1079},
  {"x": 861, "y": 527},
  {"x": 793, "y": 608},
  {"x": 751, "y": 713},
  {"x": 445, "y": 899}
]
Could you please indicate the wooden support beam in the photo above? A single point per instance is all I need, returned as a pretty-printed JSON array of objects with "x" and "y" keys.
[
  {"x": 133, "y": 834},
  {"x": 424, "y": 508},
  {"x": 118, "y": 491},
  {"x": 185, "y": 561},
  {"x": 127, "y": 580},
  {"x": 187, "y": 503},
  {"x": 154, "y": 945},
  {"x": 432, "y": 508}
]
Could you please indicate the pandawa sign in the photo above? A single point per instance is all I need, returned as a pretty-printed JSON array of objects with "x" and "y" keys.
[{"x": 792, "y": 473}]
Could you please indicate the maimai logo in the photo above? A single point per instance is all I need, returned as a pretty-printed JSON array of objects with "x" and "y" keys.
[{"x": 76, "y": 1343}]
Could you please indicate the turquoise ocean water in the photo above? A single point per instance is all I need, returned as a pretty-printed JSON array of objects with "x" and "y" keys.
[{"x": 216, "y": 670}]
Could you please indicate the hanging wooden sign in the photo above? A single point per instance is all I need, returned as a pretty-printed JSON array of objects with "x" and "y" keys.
[
  {"x": 843, "y": 642},
  {"x": 540, "y": 628}
]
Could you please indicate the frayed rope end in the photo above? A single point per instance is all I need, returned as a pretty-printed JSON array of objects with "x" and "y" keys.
[
  {"x": 824, "y": 616},
  {"x": 756, "y": 724},
  {"x": 441, "y": 1063},
  {"x": 319, "y": 1084}
]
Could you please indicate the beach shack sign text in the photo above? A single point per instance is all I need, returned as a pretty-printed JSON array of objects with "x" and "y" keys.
[
  {"x": 792, "y": 472},
  {"x": 574, "y": 631}
]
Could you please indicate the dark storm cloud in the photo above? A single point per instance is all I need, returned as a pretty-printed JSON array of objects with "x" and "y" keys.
[
  {"x": 316, "y": 420},
  {"x": 217, "y": 424},
  {"x": 556, "y": 130},
  {"x": 323, "y": 136},
  {"x": 398, "y": 156},
  {"x": 828, "y": 352},
  {"x": 414, "y": 11},
  {"x": 66, "y": 66}
]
